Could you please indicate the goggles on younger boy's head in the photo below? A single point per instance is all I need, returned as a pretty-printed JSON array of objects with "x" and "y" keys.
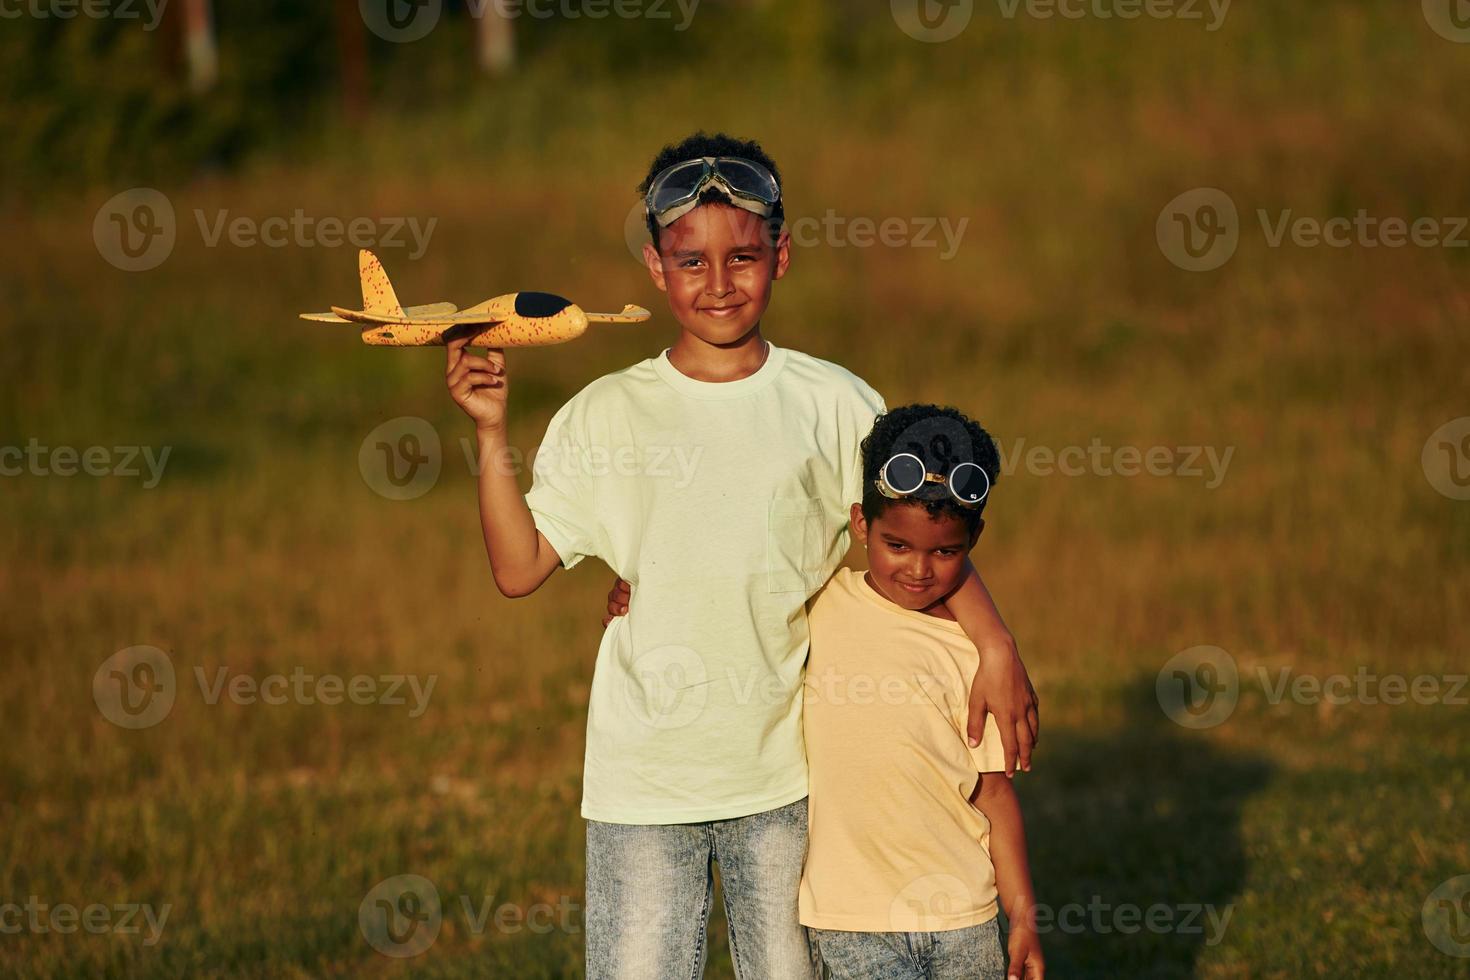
[
  {"x": 675, "y": 191},
  {"x": 905, "y": 475}
]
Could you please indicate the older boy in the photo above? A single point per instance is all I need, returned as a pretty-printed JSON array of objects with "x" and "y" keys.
[{"x": 694, "y": 747}]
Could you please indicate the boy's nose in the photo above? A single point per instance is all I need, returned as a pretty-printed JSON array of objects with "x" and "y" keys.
[{"x": 719, "y": 282}]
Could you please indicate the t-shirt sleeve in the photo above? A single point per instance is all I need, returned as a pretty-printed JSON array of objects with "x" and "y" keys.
[
  {"x": 989, "y": 755},
  {"x": 561, "y": 497},
  {"x": 867, "y": 407}
]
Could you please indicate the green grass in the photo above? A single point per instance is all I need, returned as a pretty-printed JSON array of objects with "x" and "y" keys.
[{"x": 1322, "y": 829}]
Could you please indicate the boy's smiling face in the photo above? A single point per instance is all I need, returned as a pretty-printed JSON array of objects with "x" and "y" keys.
[
  {"x": 915, "y": 560},
  {"x": 717, "y": 264}
]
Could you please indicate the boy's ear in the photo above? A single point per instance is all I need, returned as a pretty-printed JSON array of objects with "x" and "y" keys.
[
  {"x": 655, "y": 264},
  {"x": 979, "y": 528},
  {"x": 859, "y": 523},
  {"x": 783, "y": 253}
]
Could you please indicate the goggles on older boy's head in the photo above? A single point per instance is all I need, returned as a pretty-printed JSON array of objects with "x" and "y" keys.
[
  {"x": 675, "y": 191},
  {"x": 905, "y": 475}
]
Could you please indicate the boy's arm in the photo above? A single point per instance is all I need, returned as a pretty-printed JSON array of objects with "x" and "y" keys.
[
  {"x": 995, "y": 797},
  {"x": 1001, "y": 686},
  {"x": 520, "y": 556}
]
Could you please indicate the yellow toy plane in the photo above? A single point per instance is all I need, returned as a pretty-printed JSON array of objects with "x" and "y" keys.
[{"x": 514, "y": 320}]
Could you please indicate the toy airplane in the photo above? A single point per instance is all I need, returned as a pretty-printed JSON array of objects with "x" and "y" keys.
[{"x": 514, "y": 320}]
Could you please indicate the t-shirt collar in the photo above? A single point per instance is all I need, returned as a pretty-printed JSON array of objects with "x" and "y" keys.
[{"x": 764, "y": 375}]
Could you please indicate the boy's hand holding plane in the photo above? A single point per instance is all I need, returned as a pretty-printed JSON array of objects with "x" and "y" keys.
[{"x": 477, "y": 384}]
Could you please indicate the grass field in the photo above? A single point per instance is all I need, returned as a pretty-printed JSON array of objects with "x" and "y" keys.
[{"x": 1323, "y": 549}]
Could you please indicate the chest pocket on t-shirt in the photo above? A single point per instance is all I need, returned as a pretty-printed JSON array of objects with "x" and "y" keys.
[{"x": 794, "y": 545}]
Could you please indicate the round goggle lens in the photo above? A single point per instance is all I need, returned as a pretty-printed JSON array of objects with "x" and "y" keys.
[
  {"x": 904, "y": 473},
  {"x": 969, "y": 483}
]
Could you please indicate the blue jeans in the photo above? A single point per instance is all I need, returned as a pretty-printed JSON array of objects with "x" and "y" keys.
[
  {"x": 649, "y": 888},
  {"x": 972, "y": 953}
]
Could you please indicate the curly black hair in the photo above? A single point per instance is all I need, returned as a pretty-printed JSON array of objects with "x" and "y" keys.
[
  {"x": 937, "y": 436},
  {"x": 702, "y": 144}
]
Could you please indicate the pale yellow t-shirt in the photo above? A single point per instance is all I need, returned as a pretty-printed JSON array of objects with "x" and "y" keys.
[
  {"x": 725, "y": 504},
  {"x": 894, "y": 844}
]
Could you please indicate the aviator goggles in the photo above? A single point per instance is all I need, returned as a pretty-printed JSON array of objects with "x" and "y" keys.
[
  {"x": 675, "y": 191},
  {"x": 905, "y": 474}
]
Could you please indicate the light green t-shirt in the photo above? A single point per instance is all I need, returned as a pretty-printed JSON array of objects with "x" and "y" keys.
[{"x": 726, "y": 507}]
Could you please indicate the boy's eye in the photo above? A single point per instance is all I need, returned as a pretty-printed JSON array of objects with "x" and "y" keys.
[{"x": 898, "y": 547}]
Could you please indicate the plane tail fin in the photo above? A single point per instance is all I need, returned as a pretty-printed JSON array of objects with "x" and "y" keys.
[{"x": 377, "y": 291}]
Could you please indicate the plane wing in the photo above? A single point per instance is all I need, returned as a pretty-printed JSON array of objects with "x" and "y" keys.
[
  {"x": 429, "y": 317},
  {"x": 428, "y": 310}
]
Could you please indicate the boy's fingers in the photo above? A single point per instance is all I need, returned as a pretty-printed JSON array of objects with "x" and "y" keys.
[
  {"x": 482, "y": 363},
  {"x": 478, "y": 379},
  {"x": 452, "y": 352},
  {"x": 975, "y": 724},
  {"x": 1024, "y": 744},
  {"x": 1008, "y": 741}
]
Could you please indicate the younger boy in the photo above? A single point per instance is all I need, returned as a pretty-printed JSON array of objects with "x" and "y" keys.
[{"x": 902, "y": 872}]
